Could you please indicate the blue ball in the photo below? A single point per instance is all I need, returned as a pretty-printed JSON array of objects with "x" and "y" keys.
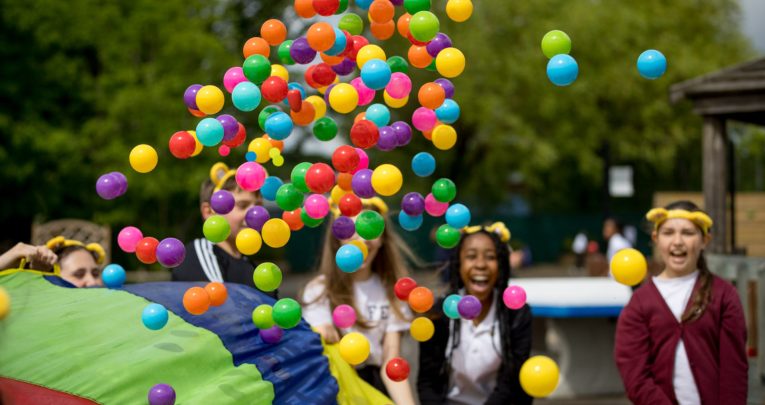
[
  {"x": 113, "y": 276},
  {"x": 154, "y": 316},
  {"x": 375, "y": 74},
  {"x": 379, "y": 114},
  {"x": 458, "y": 216},
  {"x": 349, "y": 258},
  {"x": 562, "y": 70},
  {"x": 651, "y": 64},
  {"x": 450, "y": 306},
  {"x": 448, "y": 112},
  {"x": 408, "y": 222},
  {"x": 251, "y": 156},
  {"x": 363, "y": 4},
  {"x": 209, "y": 132},
  {"x": 246, "y": 96},
  {"x": 340, "y": 42},
  {"x": 423, "y": 164},
  {"x": 278, "y": 125},
  {"x": 268, "y": 190}
]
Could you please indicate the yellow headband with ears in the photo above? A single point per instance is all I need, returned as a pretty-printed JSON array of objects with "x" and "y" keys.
[
  {"x": 219, "y": 174},
  {"x": 497, "y": 228},
  {"x": 659, "y": 215},
  {"x": 59, "y": 242}
]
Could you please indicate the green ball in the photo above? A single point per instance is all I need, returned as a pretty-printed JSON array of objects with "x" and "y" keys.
[
  {"x": 432, "y": 66},
  {"x": 414, "y": 6},
  {"x": 262, "y": 316},
  {"x": 298, "y": 176},
  {"x": 288, "y": 197},
  {"x": 444, "y": 190},
  {"x": 267, "y": 277},
  {"x": 256, "y": 68},
  {"x": 370, "y": 225},
  {"x": 264, "y": 114},
  {"x": 216, "y": 228},
  {"x": 343, "y": 6},
  {"x": 447, "y": 236},
  {"x": 284, "y": 53},
  {"x": 351, "y": 23},
  {"x": 398, "y": 64},
  {"x": 424, "y": 26},
  {"x": 308, "y": 221},
  {"x": 325, "y": 129},
  {"x": 287, "y": 313},
  {"x": 556, "y": 42}
]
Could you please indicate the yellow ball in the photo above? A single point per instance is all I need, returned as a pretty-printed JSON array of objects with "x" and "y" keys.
[
  {"x": 143, "y": 158},
  {"x": 280, "y": 71},
  {"x": 276, "y": 232},
  {"x": 5, "y": 303},
  {"x": 444, "y": 137},
  {"x": 387, "y": 179},
  {"x": 248, "y": 241},
  {"x": 261, "y": 147},
  {"x": 319, "y": 106},
  {"x": 354, "y": 348},
  {"x": 343, "y": 98},
  {"x": 336, "y": 194},
  {"x": 421, "y": 329},
  {"x": 323, "y": 89},
  {"x": 629, "y": 267},
  {"x": 210, "y": 99},
  {"x": 362, "y": 246},
  {"x": 367, "y": 53},
  {"x": 395, "y": 102},
  {"x": 450, "y": 62},
  {"x": 198, "y": 147},
  {"x": 539, "y": 376},
  {"x": 459, "y": 10}
]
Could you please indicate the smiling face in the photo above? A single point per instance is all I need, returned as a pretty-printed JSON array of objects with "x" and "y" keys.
[
  {"x": 680, "y": 243},
  {"x": 479, "y": 266},
  {"x": 80, "y": 268}
]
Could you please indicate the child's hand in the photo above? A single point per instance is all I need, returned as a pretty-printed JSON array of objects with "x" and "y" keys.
[
  {"x": 328, "y": 333},
  {"x": 41, "y": 258}
]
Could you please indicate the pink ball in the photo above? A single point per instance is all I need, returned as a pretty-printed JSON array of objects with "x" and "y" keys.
[
  {"x": 514, "y": 297},
  {"x": 250, "y": 176},
  {"x": 434, "y": 207},
  {"x": 344, "y": 316},
  {"x": 128, "y": 238},
  {"x": 424, "y": 119},
  {"x": 366, "y": 95},
  {"x": 316, "y": 206},
  {"x": 233, "y": 76},
  {"x": 399, "y": 86},
  {"x": 363, "y": 161}
]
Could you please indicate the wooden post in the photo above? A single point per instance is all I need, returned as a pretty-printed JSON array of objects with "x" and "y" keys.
[{"x": 715, "y": 180}]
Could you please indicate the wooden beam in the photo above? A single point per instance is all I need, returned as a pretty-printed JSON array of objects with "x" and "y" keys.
[{"x": 715, "y": 181}]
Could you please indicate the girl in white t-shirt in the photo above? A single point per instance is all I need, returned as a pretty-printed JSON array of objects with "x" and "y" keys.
[{"x": 381, "y": 317}]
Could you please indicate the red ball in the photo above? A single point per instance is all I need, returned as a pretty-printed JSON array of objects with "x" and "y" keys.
[
  {"x": 238, "y": 139},
  {"x": 274, "y": 89},
  {"x": 309, "y": 79},
  {"x": 397, "y": 369},
  {"x": 348, "y": 44},
  {"x": 295, "y": 99},
  {"x": 403, "y": 287},
  {"x": 326, "y": 7},
  {"x": 182, "y": 145},
  {"x": 293, "y": 219},
  {"x": 358, "y": 43},
  {"x": 345, "y": 158},
  {"x": 146, "y": 250},
  {"x": 414, "y": 41},
  {"x": 350, "y": 205},
  {"x": 364, "y": 134},
  {"x": 320, "y": 178},
  {"x": 323, "y": 74}
]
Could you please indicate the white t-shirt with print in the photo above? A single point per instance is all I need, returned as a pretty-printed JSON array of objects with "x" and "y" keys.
[{"x": 370, "y": 299}]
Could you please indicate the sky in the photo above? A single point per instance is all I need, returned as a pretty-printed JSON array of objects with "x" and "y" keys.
[{"x": 753, "y": 13}]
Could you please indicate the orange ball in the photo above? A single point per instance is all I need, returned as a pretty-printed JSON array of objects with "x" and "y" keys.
[
  {"x": 293, "y": 219},
  {"x": 344, "y": 181},
  {"x": 196, "y": 113},
  {"x": 304, "y": 8},
  {"x": 402, "y": 25},
  {"x": 382, "y": 31},
  {"x": 196, "y": 300},
  {"x": 419, "y": 57},
  {"x": 360, "y": 116},
  {"x": 431, "y": 95},
  {"x": 421, "y": 299},
  {"x": 321, "y": 36},
  {"x": 273, "y": 31},
  {"x": 217, "y": 292},
  {"x": 331, "y": 60},
  {"x": 428, "y": 134},
  {"x": 256, "y": 46},
  {"x": 306, "y": 114},
  {"x": 274, "y": 143},
  {"x": 381, "y": 11}
]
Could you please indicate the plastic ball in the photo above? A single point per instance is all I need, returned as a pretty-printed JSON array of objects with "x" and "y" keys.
[
  {"x": 344, "y": 316},
  {"x": 276, "y": 233},
  {"x": 375, "y": 74},
  {"x": 387, "y": 179},
  {"x": 414, "y": 6},
  {"x": 370, "y": 224},
  {"x": 154, "y": 316},
  {"x": 369, "y": 52},
  {"x": 444, "y": 137},
  {"x": 440, "y": 42},
  {"x": 196, "y": 300},
  {"x": 424, "y": 26},
  {"x": 514, "y": 297},
  {"x": 459, "y": 10},
  {"x": 250, "y": 176},
  {"x": 539, "y": 376},
  {"x": 182, "y": 145},
  {"x": 273, "y": 31},
  {"x": 458, "y": 216},
  {"x": 399, "y": 85},
  {"x": 316, "y": 206},
  {"x": 345, "y": 158},
  {"x": 232, "y": 77},
  {"x": 398, "y": 65},
  {"x": 422, "y": 329},
  {"x": 279, "y": 125},
  {"x": 424, "y": 119},
  {"x": 352, "y": 23},
  {"x": 362, "y": 184},
  {"x": 349, "y": 258},
  {"x": 216, "y": 228},
  {"x": 270, "y": 186},
  {"x": 343, "y": 228},
  {"x": 413, "y": 203},
  {"x": 404, "y": 287},
  {"x": 190, "y": 96},
  {"x": 256, "y": 46},
  {"x": 108, "y": 187},
  {"x": 450, "y": 306},
  {"x": 363, "y": 162},
  {"x": 262, "y": 317},
  {"x": 146, "y": 250},
  {"x": 217, "y": 292},
  {"x": 364, "y": 134},
  {"x": 388, "y": 140},
  {"x": 161, "y": 394},
  {"x": 248, "y": 241},
  {"x": 378, "y": 114},
  {"x": 246, "y": 96},
  {"x": 562, "y": 70},
  {"x": 284, "y": 51},
  {"x": 288, "y": 197},
  {"x": 171, "y": 252},
  {"x": 256, "y": 68},
  {"x": 421, "y": 299},
  {"x": 286, "y": 313},
  {"x": 222, "y": 202},
  {"x": 434, "y": 207},
  {"x": 301, "y": 52},
  {"x": 294, "y": 219},
  {"x": 444, "y": 190},
  {"x": 320, "y": 36},
  {"x": 113, "y": 276},
  {"x": 143, "y": 158},
  {"x": 450, "y": 62},
  {"x": 431, "y": 95},
  {"x": 267, "y": 276},
  {"x": 469, "y": 307},
  {"x": 308, "y": 221},
  {"x": 320, "y": 178},
  {"x": 448, "y": 112},
  {"x": 366, "y": 94},
  {"x": 409, "y": 222},
  {"x": 272, "y": 335},
  {"x": 397, "y": 369},
  {"x": 343, "y": 98},
  {"x": 128, "y": 238},
  {"x": 447, "y": 85},
  {"x": 210, "y": 132},
  {"x": 354, "y": 348},
  {"x": 651, "y": 64},
  {"x": 629, "y": 267},
  {"x": 447, "y": 236},
  {"x": 325, "y": 129},
  {"x": 556, "y": 42},
  {"x": 423, "y": 164},
  {"x": 209, "y": 99}
]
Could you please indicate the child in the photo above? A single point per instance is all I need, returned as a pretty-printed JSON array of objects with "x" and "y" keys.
[
  {"x": 681, "y": 338},
  {"x": 80, "y": 263},
  {"x": 369, "y": 290},
  {"x": 478, "y": 361},
  {"x": 220, "y": 262}
]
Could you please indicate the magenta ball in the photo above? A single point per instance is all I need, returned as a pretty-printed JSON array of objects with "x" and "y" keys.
[
  {"x": 363, "y": 161},
  {"x": 272, "y": 335},
  {"x": 128, "y": 238},
  {"x": 256, "y": 216},
  {"x": 399, "y": 86},
  {"x": 316, "y": 206},
  {"x": 514, "y": 297},
  {"x": 233, "y": 76},
  {"x": 469, "y": 307},
  {"x": 171, "y": 252},
  {"x": 161, "y": 394},
  {"x": 366, "y": 95},
  {"x": 434, "y": 207},
  {"x": 222, "y": 202},
  {"x": 250, "y": 176},
  {"x": 424, "y": 119},
  {"x": 343, "y": 228},
  {"x": 344, "y": 316}
]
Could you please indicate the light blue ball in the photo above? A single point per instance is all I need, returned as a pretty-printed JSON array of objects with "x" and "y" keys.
[
  {"x": 379, "y": 114},
  {"x": 154, "y": 316},
  {"x": 363, "y": 4},
  {"x": 209, "y": 132},
  {"x": 562, "y": 70},
  {"x": 458, "y": 216},
  {"x": 408, "y": 222},
  {"x": 270, "y": 185},
  {"x": 651, "y": 64},
  {"x": 340, "y": 43},
  {"x": 423, "y": 164},
  {"x": 113, "y": 276},
  {"x": 375, "y": 74},
  {"x": 349, "y": 258},
  {"x": 246, "y": 96},
  {"x": 278, "y": 125},
  {"x": 448, "y": 112},
  {"x": 450, "y": 306}
]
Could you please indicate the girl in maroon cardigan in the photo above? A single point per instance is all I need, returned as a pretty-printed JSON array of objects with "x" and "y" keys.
[{"x": 681, "y": 339}]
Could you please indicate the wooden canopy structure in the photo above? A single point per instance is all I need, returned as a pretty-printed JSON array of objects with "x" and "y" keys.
[{"x": 734, "y": 93}]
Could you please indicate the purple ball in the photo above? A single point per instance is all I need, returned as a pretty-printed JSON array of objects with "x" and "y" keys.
[
  {"x": 122, "y": 180},
  {"x": 388, "y": 139},
  {"x": 230, "y": 126},
  {"x": 447, "y": 86},
  {"x": 222, "y": 202},
  {"x": 108, "y": 186},
  {"x": 437, "y": 44},
  {"x": 256, "y": 216},
  {"x": 361, "y": 183},
  {"x": 345, "y": 67},
  {"x": 272, "y": 335},
  {"x": 170, "y": 252},
  {"x": 326, "y": 93},
  {"x": 413, "y": 204},
  {"x": 190, "y": 96},
  {"x": 301, "y": 51},
  {"x": 397, "y": 2},
  {"x": 403, "y": 132},
  {"x": 343, "y": 228},
  {"x": 161, "y": 394},
  {"x": 469, "y": 307}
]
